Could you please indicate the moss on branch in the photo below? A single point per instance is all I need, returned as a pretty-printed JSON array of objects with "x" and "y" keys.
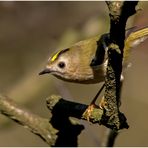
[{"x": 119, "y": 12}]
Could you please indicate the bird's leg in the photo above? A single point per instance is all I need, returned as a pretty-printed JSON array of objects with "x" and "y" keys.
[
  {"x": 92, "y": 105},
  {"x": 100, "y": 57},
  {"x": 95, "y": 98},
  {"x": 102, "y": 103}
]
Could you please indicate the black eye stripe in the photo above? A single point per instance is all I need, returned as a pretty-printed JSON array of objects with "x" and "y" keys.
[{"x": 61, "y": 64}]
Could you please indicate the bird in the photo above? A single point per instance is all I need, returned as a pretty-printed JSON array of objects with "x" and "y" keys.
[
  {"x": 86, "y": 61},
  {"x": 76, "y": 63}
]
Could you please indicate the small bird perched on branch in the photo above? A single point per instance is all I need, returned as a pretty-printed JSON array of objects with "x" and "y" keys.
[{"x": 86, "y": 61}]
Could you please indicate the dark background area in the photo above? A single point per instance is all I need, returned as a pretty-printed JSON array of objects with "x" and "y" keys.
[{"x": 30, "y": 32}]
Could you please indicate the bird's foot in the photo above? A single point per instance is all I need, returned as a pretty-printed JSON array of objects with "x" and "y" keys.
[{"x": 88, "y": 112}]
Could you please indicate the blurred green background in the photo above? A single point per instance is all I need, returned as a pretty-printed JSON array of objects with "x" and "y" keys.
[{"x": 30, "y": 32}]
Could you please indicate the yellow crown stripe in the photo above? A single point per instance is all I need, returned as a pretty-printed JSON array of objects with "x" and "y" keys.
[{"x": 55, "y": 56}]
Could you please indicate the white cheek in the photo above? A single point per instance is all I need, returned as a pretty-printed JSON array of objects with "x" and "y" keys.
[
  {"x": 63, "y": 59},
  {"x": 48, "y": 67}
]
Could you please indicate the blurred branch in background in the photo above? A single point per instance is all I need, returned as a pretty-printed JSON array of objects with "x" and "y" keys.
[
  {"x": 38, "y": 125},
  {"x": 67, "y": 132}
]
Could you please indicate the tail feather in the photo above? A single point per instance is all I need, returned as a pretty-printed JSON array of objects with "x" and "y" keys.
[{"x": 134, "y": 39}]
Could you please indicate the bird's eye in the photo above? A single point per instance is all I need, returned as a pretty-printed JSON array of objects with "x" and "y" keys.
[{"x": 61, "y": 64}]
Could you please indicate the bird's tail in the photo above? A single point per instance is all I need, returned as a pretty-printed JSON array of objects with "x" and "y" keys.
[{"x": 134, "y": 38}]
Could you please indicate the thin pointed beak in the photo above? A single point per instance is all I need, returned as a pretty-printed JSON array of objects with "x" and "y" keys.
[{"x": 45, "y": 71}]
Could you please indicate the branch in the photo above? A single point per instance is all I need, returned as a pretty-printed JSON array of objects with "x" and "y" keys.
[
  {"x": 67, "y": 108},
  {"x": 65, "y": 134},
  {"x": 119, "y": 13},
  {"x": 37, "y": 125},
  {"x": 109, "y": 138}
]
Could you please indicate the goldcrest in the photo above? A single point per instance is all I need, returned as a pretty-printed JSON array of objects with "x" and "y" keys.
[{"x": 86, "y": 61}]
